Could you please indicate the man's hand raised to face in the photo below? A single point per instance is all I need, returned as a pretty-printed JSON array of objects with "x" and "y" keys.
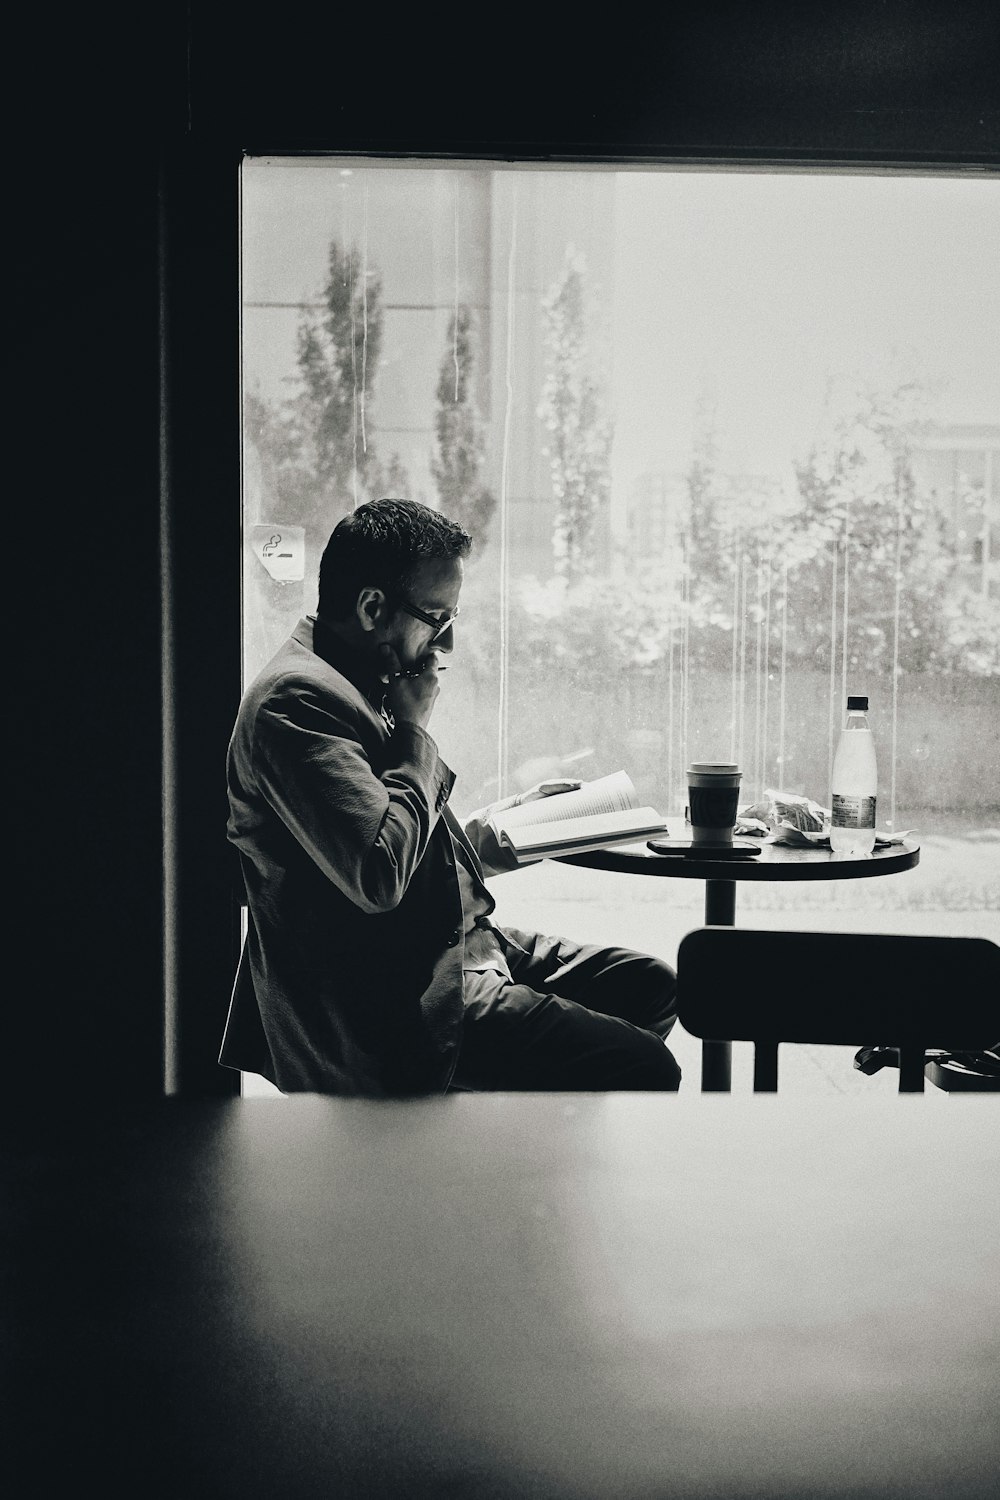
[{"x": 409, "y": 697}]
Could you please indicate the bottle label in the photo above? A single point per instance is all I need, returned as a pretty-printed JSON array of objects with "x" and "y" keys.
[{"x": 852, "y": 812}]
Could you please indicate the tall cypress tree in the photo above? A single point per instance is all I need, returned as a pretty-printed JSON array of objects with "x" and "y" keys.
[
  {"x": 317, "y": 450},
  {"x": 459, "y": 456},
  {"x": 572, "y": 411}
]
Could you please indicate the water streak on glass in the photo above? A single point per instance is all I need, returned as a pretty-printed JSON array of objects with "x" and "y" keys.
[
  {"x": 685, "y": 659},
  {"x": 673, "y": 776},
  {"x": 756, "y": 779},
  {"x": 781, "y": 698},
  {"x": 896, "y": 601},
  {"x": 364, "y": 303},
  {"x": 734, "y": 674},
  {"x": 503, "y": 725},
  {"x": 764, "y": 778},
  {"x": 354, "y": 373},
  {"x": 454, "y": 317},
  {"x": 845, "y": 622},
  {"x": 741, "y": 738},
  {"x": 833, "y": 717}
]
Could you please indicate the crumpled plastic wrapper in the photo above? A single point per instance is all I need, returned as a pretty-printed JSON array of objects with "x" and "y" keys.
[{"x": 785, "y": 818}]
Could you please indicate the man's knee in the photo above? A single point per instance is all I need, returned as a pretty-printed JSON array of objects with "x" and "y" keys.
[
  {"x": 658, "y": 984},
  {"x": 664, "y": 977},
  {"x": 646, "y": 968},
  {"x": 636, "y": 986}
]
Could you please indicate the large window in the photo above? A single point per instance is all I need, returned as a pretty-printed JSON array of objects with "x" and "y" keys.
[{"x": 729, "y": 445}]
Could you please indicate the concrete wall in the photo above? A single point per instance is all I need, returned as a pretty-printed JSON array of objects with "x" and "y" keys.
[{"x": 946, "y": 741}]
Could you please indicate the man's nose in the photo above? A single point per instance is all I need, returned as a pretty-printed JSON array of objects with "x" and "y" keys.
[{"x": 446, "y": 640}]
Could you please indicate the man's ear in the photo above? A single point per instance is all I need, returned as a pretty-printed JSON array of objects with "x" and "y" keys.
[{"x": 372, "y": 609}]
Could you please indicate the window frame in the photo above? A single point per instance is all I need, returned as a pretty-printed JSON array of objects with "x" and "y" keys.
[{"x": 200, "y": 595}]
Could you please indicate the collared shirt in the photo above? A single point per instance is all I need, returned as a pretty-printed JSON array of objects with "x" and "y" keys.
[{"x": 483, "y": 949}]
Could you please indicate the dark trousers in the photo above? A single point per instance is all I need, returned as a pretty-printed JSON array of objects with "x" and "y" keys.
[{"x": 577, "y": 1017}]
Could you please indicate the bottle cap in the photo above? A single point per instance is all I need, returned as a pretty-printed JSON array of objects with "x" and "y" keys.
[{"x": 861, "y": 703}]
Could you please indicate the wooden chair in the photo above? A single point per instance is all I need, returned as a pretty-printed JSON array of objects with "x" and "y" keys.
[{"x": 843, "y": 989}]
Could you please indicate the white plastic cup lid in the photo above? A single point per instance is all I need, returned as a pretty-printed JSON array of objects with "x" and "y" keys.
[{"x": 713, "y": 768}]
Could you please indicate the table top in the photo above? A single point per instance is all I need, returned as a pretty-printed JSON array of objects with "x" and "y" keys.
[
  {"x": 560, "y": 1297},
  {"x": 774, "y": 862}
]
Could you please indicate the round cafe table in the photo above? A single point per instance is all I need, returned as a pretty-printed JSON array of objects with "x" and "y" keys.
[{"x": 774, "y": 862}]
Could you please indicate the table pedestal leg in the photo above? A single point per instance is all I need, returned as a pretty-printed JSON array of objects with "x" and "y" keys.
[
  {"x": 717, "y": 1057},
  {"x": 720, "y": 903}
]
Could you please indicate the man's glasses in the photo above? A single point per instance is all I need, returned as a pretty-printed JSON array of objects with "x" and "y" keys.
[{"x": 438, "y": 625}]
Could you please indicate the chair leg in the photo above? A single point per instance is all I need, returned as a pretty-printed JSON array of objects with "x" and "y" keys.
[
  {"x": 716, "y": 1067},
  {"x": 911, "y": 1070},
  {"x": 765, "y": 1067}
]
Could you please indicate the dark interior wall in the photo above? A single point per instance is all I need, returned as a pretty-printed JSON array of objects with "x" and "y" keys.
[
  {"x": 127, "y": 134},
  {"x": 872, "y": 79},
  {"x": 91, "y": 92}
]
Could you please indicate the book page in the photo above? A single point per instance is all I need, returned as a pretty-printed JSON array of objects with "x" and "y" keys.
[
  {"x": 614, "y": 793},
  {"x": 622, "y": 825}
]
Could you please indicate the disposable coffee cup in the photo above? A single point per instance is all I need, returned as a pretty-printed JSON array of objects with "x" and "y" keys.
[{"x": 713, "y": 801}]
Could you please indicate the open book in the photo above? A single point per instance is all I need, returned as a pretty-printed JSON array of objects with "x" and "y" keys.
[{"x": 595, "y": 816}]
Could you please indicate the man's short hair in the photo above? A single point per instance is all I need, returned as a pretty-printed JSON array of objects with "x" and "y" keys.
[{"x": 380, "y": 545}]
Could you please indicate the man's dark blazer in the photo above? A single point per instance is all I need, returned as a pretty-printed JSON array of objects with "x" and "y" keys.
[{"x": 351, "y": 976}]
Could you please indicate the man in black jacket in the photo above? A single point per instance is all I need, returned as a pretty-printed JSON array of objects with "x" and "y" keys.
[{"x": 371, "y": 964}]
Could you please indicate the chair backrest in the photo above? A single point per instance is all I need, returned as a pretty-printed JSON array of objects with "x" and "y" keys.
[{"x": 842, "y": 989}]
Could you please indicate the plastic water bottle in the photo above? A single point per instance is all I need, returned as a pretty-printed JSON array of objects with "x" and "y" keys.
[{"x": 854, "y": 784}]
